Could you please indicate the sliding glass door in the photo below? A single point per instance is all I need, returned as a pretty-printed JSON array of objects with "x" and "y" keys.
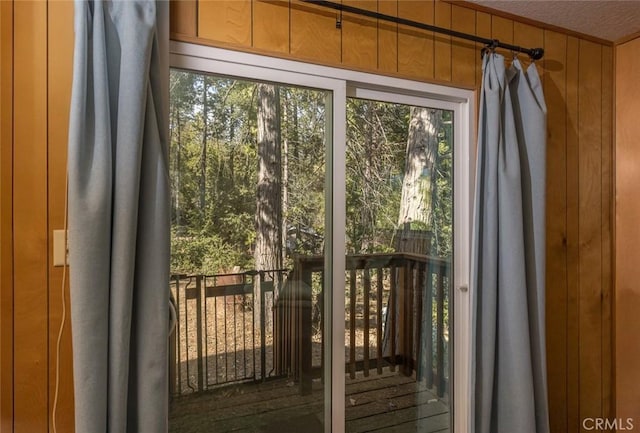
[
  {"x": 248, "y": 174},
  {"x": 399, "y": 229},
  {"x": 320, "y": 247}
]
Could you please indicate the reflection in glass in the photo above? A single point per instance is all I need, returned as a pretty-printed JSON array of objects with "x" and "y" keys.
[
  {"x": 398, "y": 276},
  {"x": 247, "y": 167}
]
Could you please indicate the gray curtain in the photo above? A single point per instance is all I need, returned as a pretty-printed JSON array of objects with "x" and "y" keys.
[
  {"x": 119, "y": 216},
  {"x": 508, "y": 255}
]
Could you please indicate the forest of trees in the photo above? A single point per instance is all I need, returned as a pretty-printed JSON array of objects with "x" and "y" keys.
[{"x": 248, "y": 174}]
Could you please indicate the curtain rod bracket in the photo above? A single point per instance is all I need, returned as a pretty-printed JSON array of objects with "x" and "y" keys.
[{"x": 489, "y": 48}]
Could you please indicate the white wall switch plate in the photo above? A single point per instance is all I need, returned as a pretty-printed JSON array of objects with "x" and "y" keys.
[{"x": 60, "y": 248}]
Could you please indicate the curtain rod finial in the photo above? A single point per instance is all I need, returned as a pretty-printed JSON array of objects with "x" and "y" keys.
[{"x": 536, "y": 53}]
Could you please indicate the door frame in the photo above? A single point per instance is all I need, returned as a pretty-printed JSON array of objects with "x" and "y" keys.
[{"x": 343, "y": 83}]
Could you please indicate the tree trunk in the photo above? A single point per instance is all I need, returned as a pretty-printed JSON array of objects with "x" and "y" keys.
[
  {"x": 268, "y": 250},
  {"x": 416, "y": 201},
  {"x": 178, "y": 173},
  {"x": 203, "y": 149},
  {"x": 285, "y": 180},
  {"x": 368, "y": 206},
  {"x": 422, "y": 149}
]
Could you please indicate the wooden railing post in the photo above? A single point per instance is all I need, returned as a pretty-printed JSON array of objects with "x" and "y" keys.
[
  {"x": 366, "y": 312},
  {"x": 409, "y": 317},
  {"x": 305, "y": 300},
  {"x": 280, "y": 331},
  {"x": 419, "y": 299},
  {"x": 179, "y": 332},
  {"x": 172, "y": 363},
  {"x": 428, "y": 302},
  {"x": 263, "y": 338},
  {"x": 440, "y": 330},
  {"x": 321, "y": 304},
  {"x": 402, "y": 315},
  {"x": 352, "y": 323},
  {"x": 199, "y": 332},
  {"x": 172, "y": 348},
  {"x": 278, "y": 335},
  {"x": 379, "y": 319},
  {"x": 393, "y": 300}
]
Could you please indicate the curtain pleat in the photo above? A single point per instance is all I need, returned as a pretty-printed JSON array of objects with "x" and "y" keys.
[
  {"x": 508, "y": 254},
  {"x": 119, "y": 216}
]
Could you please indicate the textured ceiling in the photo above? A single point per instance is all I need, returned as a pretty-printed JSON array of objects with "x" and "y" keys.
[{"x": 610, "y": 20}]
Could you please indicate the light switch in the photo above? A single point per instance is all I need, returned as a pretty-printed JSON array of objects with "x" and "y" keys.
[{"x": 60, "y": 248}]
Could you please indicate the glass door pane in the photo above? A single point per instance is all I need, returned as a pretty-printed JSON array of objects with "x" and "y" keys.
[
  {"x": 399, "y": 228},
  {"x": 248, "y": 169}
]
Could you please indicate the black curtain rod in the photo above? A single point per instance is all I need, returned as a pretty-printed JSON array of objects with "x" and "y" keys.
[{"x": 534, "y": 53}]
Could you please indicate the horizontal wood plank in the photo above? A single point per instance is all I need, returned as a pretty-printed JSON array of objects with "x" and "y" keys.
[{"x": 385, "y": 401}]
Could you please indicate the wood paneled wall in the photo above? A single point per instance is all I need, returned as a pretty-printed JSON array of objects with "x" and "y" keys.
[
  {"x": 627, "y": 303},
  {"x": 35, "y": 91},
  {"x": 6, "y": 217},
  {"x": 577, "y": 74}
]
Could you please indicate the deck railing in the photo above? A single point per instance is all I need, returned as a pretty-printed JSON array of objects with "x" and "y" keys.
[
  {"x": 414, "y": 339},
  {"x": 396, "y": 309},
  {"x": 223, "y": 333}
]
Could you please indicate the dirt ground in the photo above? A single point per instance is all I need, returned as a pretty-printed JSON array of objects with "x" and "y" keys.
[{"x": 230, "y": 341}]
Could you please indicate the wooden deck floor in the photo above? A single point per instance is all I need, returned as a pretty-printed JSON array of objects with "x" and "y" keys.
[{"x": 386, "y": 403}]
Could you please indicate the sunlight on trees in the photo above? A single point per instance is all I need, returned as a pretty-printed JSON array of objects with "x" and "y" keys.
[{"x": 247, "y": 171}]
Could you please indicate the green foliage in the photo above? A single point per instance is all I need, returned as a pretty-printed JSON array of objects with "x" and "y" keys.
[
  {"x": 213, "y": 172},
  {"x": 376, "y": 141},
  {"x": 377, "y": 135},
  {"x": 202, "y": 253},
  {"x": 303, "y": 139},
  {"x": 442, "y": 244}
]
